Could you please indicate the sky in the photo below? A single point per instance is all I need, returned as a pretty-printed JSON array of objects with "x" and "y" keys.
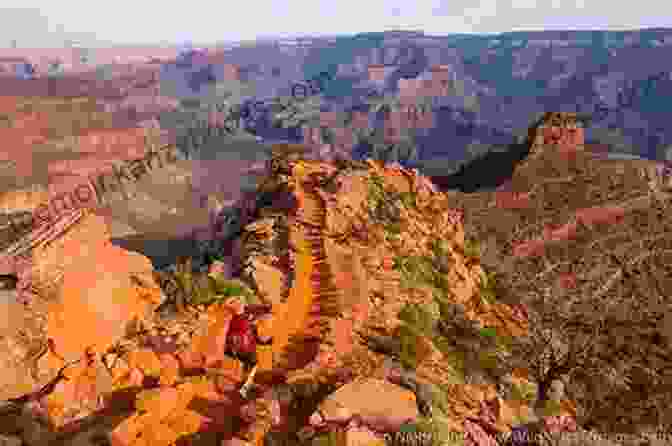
[{"x": 39, "y": 23}]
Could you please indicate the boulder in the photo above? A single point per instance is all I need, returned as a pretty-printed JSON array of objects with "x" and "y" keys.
[
  {"x": 80, "y": 296},
  {"x": 79, "y": 395},
  {"x": 116, "y": 290},
  {"x": 382, "y": 405}
]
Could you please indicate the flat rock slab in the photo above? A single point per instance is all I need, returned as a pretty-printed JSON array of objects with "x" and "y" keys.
[{"x": 372, "y": 399}]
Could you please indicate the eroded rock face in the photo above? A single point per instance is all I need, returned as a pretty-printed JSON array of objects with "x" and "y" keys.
[
  {"x": 351, "y": 229},
  {"x": 558, "y": 130},
  {"x": 78, "y": 295},
  {"x": 104, "y": 300},
  {"x": 15, "y": 376}
]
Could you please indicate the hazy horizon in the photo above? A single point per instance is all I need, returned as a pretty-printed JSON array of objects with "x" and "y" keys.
[
  {"x": 122, "y": 23},
  {"x": 68, "y": 39}
]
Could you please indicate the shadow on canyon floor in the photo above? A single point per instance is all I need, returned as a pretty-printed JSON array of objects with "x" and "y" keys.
[
  {"x": 161, "y": 251},
  {"x": 486, "y": 172}
]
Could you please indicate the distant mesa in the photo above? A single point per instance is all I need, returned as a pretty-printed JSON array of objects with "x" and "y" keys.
[
  {"x": 203, "y": 76},
  {"x": 559, "y": 131},
  {"x": 20, "y": 66},
  {"x": 191, "y": 57}
]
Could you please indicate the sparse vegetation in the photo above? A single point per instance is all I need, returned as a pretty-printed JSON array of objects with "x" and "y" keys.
[
  {"x": 524, "y": 392},
  {"x": 385, "y": 206},
  {"x": 488, "y": 287},
  {"x": 408, "y": 199},
  {"x": 327, "y": 439},
  {"x": 437, "y": 430},
  {"x": 418, "y": 322},
  {"x": 376, "y": 191},
  {"x": 415, "y": 270},
  {"x": 464, "y": 344},
  {"x": 187, "y": 287},
  {"x": 596, "y": 294},
  {"x": 472, "y": 248}
]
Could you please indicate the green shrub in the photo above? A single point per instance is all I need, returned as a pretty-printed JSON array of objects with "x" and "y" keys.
[
  {"x": 488, "y": 287},
  {"x": 550, "y": 408},
  {"x": 376, "y": 192},
  {"x": 407, "y": 199},
  {"x": 202, "y": 289},
  {"x": 524, "y": 392},
  {"x": 416, "y": 271},
  {"x": 328, "y": 439},
  {"x": 488, "y": 332},
  {"x": 408, "y": 343},
  {"x": 417, "y": 321},
  {"x": 436, "y": 425},
  {"x": 472, "y": 248}
]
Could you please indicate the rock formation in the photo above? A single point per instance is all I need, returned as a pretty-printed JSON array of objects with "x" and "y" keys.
[
  {"x": 574, "y": 233},
  {"x": 391, "y": 309},
  {"x": 70, "y": 282}
]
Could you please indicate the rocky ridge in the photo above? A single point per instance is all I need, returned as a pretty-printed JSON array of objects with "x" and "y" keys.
[{"x": 385, "y": 317}]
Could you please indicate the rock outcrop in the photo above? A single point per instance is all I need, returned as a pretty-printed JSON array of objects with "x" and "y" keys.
[
  {"x": 336, "y": 254},
  {"x": 357, "y": 226},
  {"x": 76, "y": 296},
  {"x": 364, "y": 306}
]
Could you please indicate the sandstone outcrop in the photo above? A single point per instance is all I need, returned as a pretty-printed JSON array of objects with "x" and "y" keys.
[
  {"x": 385, "y": 313},
  {"x": 76, "y": 296},
  {"x": 335, "y": 254},
  {"x": 355, "y": 226}
]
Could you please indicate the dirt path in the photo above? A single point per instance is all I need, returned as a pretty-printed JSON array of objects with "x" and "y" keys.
[{"x": 313, "y": 298}]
